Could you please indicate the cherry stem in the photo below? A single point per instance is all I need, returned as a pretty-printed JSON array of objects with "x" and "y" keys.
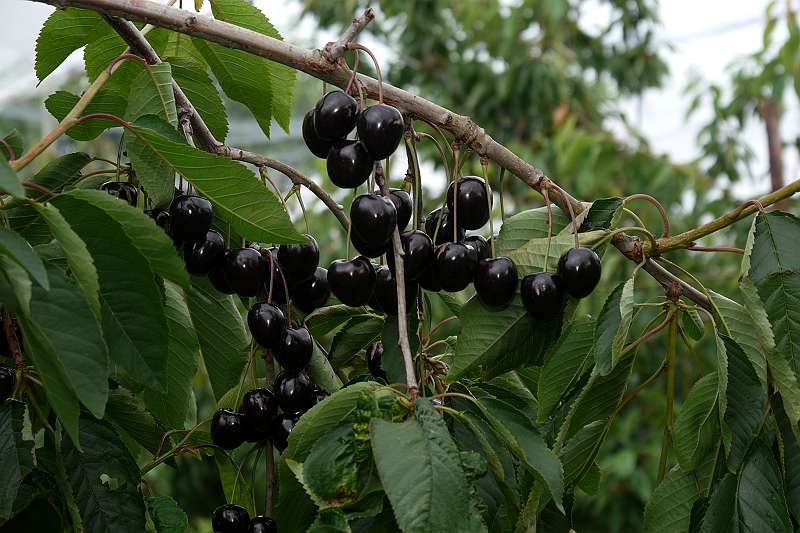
[
  {"x": 270, "y": 460},
  {"x": 38, "y": 187},
  {"x": 12, "y": 340},
  {"x": 502, "y": 207},
  {"x": 356, "y": 46},
  {"x": 657, "y": 204},
  {"x": 411, "y": 152},
  {"x": 731, "y": 249},
  {"x": 11, "y": 156},
  {"x": 547, "y": 203},
  {"x": 350, "y": 226},
  {"x": 454, "y": 181},
  {"x": 262, "y": 170},
  {"x": 271, "y": 276},
  {"x": 551, "y": 183},
  {"x": 353, "y": 75},
  {"x": 302, "y": 207},
  {"x": 485, "y": 166},
  {"x": 126, "y": 57}
]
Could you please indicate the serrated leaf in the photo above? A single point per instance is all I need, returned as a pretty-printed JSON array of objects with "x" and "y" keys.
[
  {"x": 670, "y": 507},
  {"x": 65, "y": 31},
  {"x": 235, "y": 485},
  {"x": 9, "y": 181},
  {"x": 612, "y": 328},
  {"x": 192, "y": 77},
  {"x": 578, "y": 455},
  {"x": 392, "y": 361},
  {"x": 156, "y": 176},
  {"x": 151, "y": 94},
  {"x": 526, "y": 225},
  {"x": 322, "y": 373},
  {"x": 722, "y": 515},
  {"x": 692, "y": 324},
  {"x": 16, "y": 454},
  {"x": 14, "y": 141},
  {"x": 603, "y": 214},
  {"x": 571, "y": 357},
  {"x": 791, "y": 456},
  {"x": 761, "y": 503},
  {"x": 747, "y": 403},
  {"x": 128, "y": 414},
  {"x": 333, "y": 467},
  {"x": 58, "y": 173},
  {"x": 167, "y": 516},
  {"x": 18, "y": 250},
  {"x": 60, "y": 103},
  {"x": 356, "y": 335},
  {"x": 738, "y": 323},
  {"x": 15, "y": 286},
  {"x": 695, "y": 413},
  {"x": 331, "y": 318},
  {"x": 771, "y": 253}
]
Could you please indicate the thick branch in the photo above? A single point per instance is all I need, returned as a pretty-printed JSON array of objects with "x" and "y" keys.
[{"x": 333, "y": 51}]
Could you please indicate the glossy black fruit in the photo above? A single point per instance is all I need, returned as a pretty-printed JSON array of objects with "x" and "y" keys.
[
  {"x": 312, "y": 293},
  {"x": 429, "y": 280},
  {"x": 7, "y": 382},
  {"x": 404, "y": 205},
  {"x": 445, "y": 229},
  {"x": 374, "y": 357},
  {"x": 217, "y": 277},
  {"x": 253, "y": 435},
  {"x": 374, "y": 218},
  {"x": 318, "y": 146},
  {"x": 455, "y": 266},
  {"x": 262, "y": 524},
  {"x": 580, "y": 271},
  {"x": 298, "y": 261},
  {"x": 267, "y": 324},
  {"x": 227, "y": 429},
  {"x": 281, "y": 427},
  {"x": 162, "y": 219},
  {"x": 204, "y": 255},
  {"x": 473, "y": 209},
  {"x": 273, "y": 275},
  {"x": 335, "y": 115},
  {"x": 122, "y": 190},
  {"x": 418, "y": 249},
  {"x": 352, "y": 281},
  {"x": 191, "y": 217},
  {"x": 496, "y": 281},
  {"x": 349, "y": 164},
  {"x": 542, "y": 295},
  {"x": 368, "y": 249},
  {"x": 294, "y": 391},
  {"x": 380, "y": 127},
  {"x": 481, "y": 245},
  {"x": 245, "y": 271},
  {"x": 230, "y": 518},
  {"x": 259, "y": 407},
  {"x": 384, "y": 296},
  {"x": 294, "y": 353}
]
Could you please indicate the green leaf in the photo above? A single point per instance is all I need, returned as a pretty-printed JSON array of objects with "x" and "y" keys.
[
  {"x": 696, "y": 413},
  {"x": 333, "y": 467},
  {"x": 419, "y": 468},
  {"x": 747, "y": 403},
  {"x": 322, "y": 373},
  {"x": 58, "y": 173},
  {"x": 356, "y": 335},
  {"x": 526, "y": 225},
  {"x": 739, "y": 323},
  {"x": 15, "y": 286},
  {"x": 235, "y": 486},
  {"x": 18, "y": 250},
  {"x": 791, "y": 455},
  {"x": 603, "y": 214},
  {"x": 722, "y": 515},
  {"x": 151, "y": 94},
  {"x": 16, "y": 454},
  {"x": 223, "y": 336},
  {"x": 167, "y": 516},
  {"x": 60, "y": 103},
  {"x": 670, "y": 507},
  {"x": 156, "y": 176},
  {"x": 579, "y": 453},
  {"x": 329, "y": 319},
  {"x": 113, "y": 506},
  {"x": 192, "y": 77},
  {"x": 761, "y": 503},
  {"x": 65, "y": 31},
  {"x": 9, "y": 181},
  {"x": 612, "y": 327},
  {"x": 129, "y": 416},
  {"x": 771, "y": 253},
  {"x": 692, "y": 324},
  {"x": 14, "y": 140}
]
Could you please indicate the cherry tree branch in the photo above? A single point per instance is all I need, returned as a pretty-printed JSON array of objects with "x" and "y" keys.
[{"x": 333, "y": 51}]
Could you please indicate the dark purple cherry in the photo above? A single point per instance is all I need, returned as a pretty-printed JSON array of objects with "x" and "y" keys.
[
  {"x": 294, "y": 353},
  {"x": 294, "y": 391},
  {"x": 405, "y": 207},
  {"x": 281, "y": 427},
  {"x": 272, "y": 278},
  {"x": 481, "y": 245},
  {"x": 227, "y": 429},
  {"x": 162, "y": 219},
  {"x": 335, "y": 115},
  {"x": 318, "y": 146},
  {"x": 381, "y": 127},
  {"x": 542, "y": 295},
  {"x": 455, "y": 266},
  {"x": 384, "y": 296},
  {"x": 245, "y": 271},
  {"x": 259, "y": 407},
  {"x": 496, "y": 281},
  {"x": 123, "y": 190},
  {"x": 7, "y": 382},
  {"x": 267, "y": 324},
  {"x": 473, "y": 207},
  {"x": 230, "y": 518},
  {"x": 368, "y": 249},
  {"x": 312, "y": 293},
  {"x": 374, "y": 358},
  {"x": 445, "y": 229},
  {"x": 374, "y": 218},
  {"x": 349, "y": 164},
  {"x": 299, "y": 261},
  {"x": 191, "y": 217},
  {"x": 429, "y": 280},
  {"x": 204, "y": 255},
  {"x": 418, "y": 249},
  {"x": 217, "y": 277},
  {"x": 352, "y": 281},
  {"x": 262, "y": 524},
  {"x": 253, "y": 435},
  {"x": 580, "y": 271}
]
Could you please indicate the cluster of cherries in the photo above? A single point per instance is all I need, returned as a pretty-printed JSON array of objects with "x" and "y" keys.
[{"x": 232, "y": 518}]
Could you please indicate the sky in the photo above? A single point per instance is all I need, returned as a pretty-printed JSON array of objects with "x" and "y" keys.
[{"x": 706, "y": 36}]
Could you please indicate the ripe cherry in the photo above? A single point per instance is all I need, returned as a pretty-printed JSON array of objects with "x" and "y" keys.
[
  {"x": 294, "y": 391},
  {"x": 294, "y": 353},
  {"x": 352, "y": 281},
  {"x": 369, "y": 249},
  {"x": 405, "y": 207},
  {"x": 473, "y": 209},
  {"x": 496, "y": 281},
  {"x": 272, "y": 277},
  {"x": 245, "y": 271},
  {"x": 374, "y": 218},
  {"x": 384, "y": 296},
  {"x": 122, "y": 190},
  {"x": 445, "y": 229},
  {"x": 253, "y": 435},
  {"x": 429, "y": 280},
  {"x": 481, "y": 245},
  {"x": 267, "y": 324},
  {"x": 259, "y": 407},
  {"x": 580, "y": 270},
  {"x": 374, "y": 358},
  {"x": 299, "y": 261},
  {"x": 455, "y": 266},
  {"x": 7, "y": 382},
  {"x": 217, "y": 277},
  {"x": 262, "y": 524},
  {"x": 418, "y": 250},
  {"x": 381, "y": 127},
  {"x": 335, "y": 115},
  {"x": 191, "y": 217},
  {"x": 349, "y": 164},
  {"x": 542, "y": 295},
  {"x": 318, "y": 146},
  {"x": 161, "y": 218},
  {"x": 204, "y": 255},
  {"x": 312, "y": 293},
  {"x": 227, "y": 429},
  {"x": 281, "y": 427},
  {"x": 230, "y": 518}
]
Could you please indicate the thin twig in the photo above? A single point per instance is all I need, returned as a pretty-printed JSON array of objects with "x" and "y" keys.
[
  {"x": 731, "y": 249},
  {"x": 333, "y": 51},
  {"x": 657, "y": 204}
]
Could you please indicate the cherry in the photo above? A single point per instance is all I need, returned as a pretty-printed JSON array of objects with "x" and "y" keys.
[
  {"x": 374, "y": 357},
  {"x": 445, "y": 230},
  {"x": 381, "y": 127},
  {"x": 267, "y": 324},
  {"x": 349, "y": 164},
  {"x": 542, "y": 295},
  {"x": 253, "y": 435},
  {"x": 319, "y": 395},
  {"x": 294, "y": 391},
  {"x": 294, "y": 353},
  {"x": 204, "y": 255},
  {"x": 217, "y": 277},
  {"x": 298, "y": 261},
  {"x": 405, "y": 207},
  {"x": 473, "y": 208},
  {"x": 418, "y": 250},
  {"x": 374, "y": 218},
  {"x": 496, "y": 281},
  {"x": 7, "y": 382},
  {"x": 191, "y": 217},
  {"x": 312, "y": 293},
  {"x": 123, "y": 190},
  {"x": 161, "y": 218},
  {"x": 580, "y": 271},
  {"x": 384, "y": 296},
  {"x": 369, "y": 249},
  {"x": 352, "y": 281},
  {"x": 455, "y": 266},
  {"x": 335, "y": 115},
  {"x": 429, "y": 280},
  {"x": 245, "y": 271},
  {"x": 281, "y": 427},
  {"x": 227, "y": 429},
  {"x": 318, "y": 146},
  {"x": 272, "y": 276},
  {"x": 230, "y": 518},
  {"x": 481, "y": 245},
  {"x": 259, "y": 407},
  {"x": 262, "y": 524}
]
